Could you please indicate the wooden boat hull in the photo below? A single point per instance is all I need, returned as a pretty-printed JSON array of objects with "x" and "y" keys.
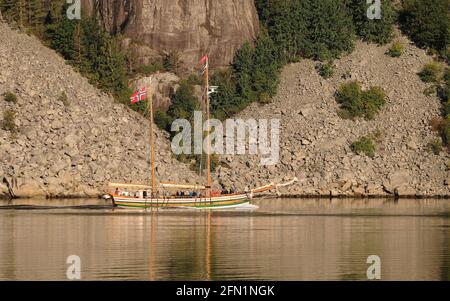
[{"x": 219, "y": 202}]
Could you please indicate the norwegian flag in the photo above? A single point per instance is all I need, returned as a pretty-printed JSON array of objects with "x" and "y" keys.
[
  {"x": 204, "y": 61},
  {"x": 138, "y": 96}
]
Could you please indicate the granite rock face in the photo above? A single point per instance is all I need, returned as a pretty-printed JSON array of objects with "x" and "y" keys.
[
  {"x": 191, "y": 27},
  {"x": 75, "y": 148},
  {"x": 315, "y": 141}
]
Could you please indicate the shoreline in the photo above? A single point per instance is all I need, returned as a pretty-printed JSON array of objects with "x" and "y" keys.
[{"x": 282, "y": 196}]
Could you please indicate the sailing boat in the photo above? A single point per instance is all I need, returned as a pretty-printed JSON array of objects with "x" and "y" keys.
[{"x": 199, "y": 196}]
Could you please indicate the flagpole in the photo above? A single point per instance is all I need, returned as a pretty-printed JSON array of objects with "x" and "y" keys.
[
  {"x": 208, "y": 144},
  {"x": 152, "y": 142}
]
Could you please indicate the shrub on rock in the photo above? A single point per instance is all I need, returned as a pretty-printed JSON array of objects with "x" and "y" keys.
[
  {"x": 431, "y": 72},
  {"x": 10, "y": 97},
  {"x": 326, "y": 70},
  {"x": 396, "y": 49},
  {"x": 64, "y": 99},
  {"x": 364, "y": 146},
  {"x": 435, "y": 146},
  {"x": 9, "y": 121},
  {"x": 358, "y": 103}
]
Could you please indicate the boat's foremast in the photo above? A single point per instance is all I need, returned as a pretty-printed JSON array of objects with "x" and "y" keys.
[
  {"x": 208, "y": 143},
  {"x": 152, "y": 141}
]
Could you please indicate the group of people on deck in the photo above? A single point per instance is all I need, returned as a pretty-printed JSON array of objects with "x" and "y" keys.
[
  {"x": 190, "y": 194},
  {"x": 193, "y": 194}
]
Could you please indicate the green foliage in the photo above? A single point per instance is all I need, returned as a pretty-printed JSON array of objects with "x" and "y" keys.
[
  {"x": 435, "y": 146},
  {"x": 357, "y": 103},
  {"x": 184, "y": 103},
  {"x": 200, "y": 162},
  {"x": 446, "y": 87},
  {"x": 431, "y": 72},
  {"x": 373, "y": 99},
  {"x": 254, "y": 76},
  {"x": 364, "y": 146},
  {"x": 429, "y": 91},
  {"x": 25, "y": 13},
  {"x": 60, "y": 34},
  {"x": 149, "y": 69},
  {"x": 347, "y": 74},
  {"x": 9, "y": 121},
  {"x": 326, "y": 70},
  {"x": 10, "y": 97},
  {"x": 172, "y": 61},
  {"x": 195, "y": 79},
  {"x": 308, "y": 28},
  {"x": 330, "y": 29},
  {"x": 91, "y": 49},
  {"x": 162, "y": 120},
  {"x": 427, "y": 22},
  {"x": 266, "y": 69},
  {"x": 379, "y": 31},
  {"x": 442, "y": 126},
  {"x": 64, "y": 99},
  {"x": 225, "y": 103},
  {"x": 242, "y": 66},
  {"x": 396, "y": 49},
  {"x": 445, "y": 132}
]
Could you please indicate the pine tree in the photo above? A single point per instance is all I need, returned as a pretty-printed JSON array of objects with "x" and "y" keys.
[
  {"x": 428, "y": 23},
  {"x": 60, "y": 34},
  {"x": 242, "y": 66},
  {"x": 286, "y": 26},
  {"x": 184, "y": 102},
  {"x": 77, "y": 40},
  {"x": 266, "y": 66},
  {"x": 14, "y": 10},
  {"x": 225, "y": 102},
  {"x": 35, "y": 14},
  {"x": 330, "y": 28},
  {"x": 310, "y": 28},
  {"x": 377, "y": 30}
]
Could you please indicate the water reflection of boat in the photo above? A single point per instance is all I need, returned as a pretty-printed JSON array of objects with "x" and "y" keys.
[{"x": 191, "y": 196}]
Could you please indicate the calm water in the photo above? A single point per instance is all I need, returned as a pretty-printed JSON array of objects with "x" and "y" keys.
[{"x": 282, "y": 240}]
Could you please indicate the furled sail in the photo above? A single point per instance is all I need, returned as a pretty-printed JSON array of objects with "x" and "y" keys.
[{"x": 182, "y": 186}]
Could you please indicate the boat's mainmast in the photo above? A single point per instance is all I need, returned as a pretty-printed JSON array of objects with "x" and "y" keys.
[
  {"x": 152, "y": 140},
  {"x": 208, "y": 143}
]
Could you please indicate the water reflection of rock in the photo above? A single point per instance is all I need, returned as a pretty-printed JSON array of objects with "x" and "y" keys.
[{"x": 285, "y": 239}]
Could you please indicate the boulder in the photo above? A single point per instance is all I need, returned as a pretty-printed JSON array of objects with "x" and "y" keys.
[
  {"x": 347, "y": 186},
  {"x": 398, "y": 179},
  {"x": 405, "y": 191},
  {"x": 3, "y": 190},
  {"x": 30, "y": 188},
  {"x": 374, "y": 190},
  {"x": 359, "y": 191}
]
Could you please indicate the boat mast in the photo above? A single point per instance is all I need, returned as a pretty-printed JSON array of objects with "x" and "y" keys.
[
  {"x": 208, "y": 144},
  {"x": 152, "y": 142}
]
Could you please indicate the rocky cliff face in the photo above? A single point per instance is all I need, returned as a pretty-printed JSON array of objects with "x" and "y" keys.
[
  {"x": 315, "y": 141},
  {"x": 74, "y": 149},
  {"x": 191, "y": 27},
  {"x": 69, "y": 148}
]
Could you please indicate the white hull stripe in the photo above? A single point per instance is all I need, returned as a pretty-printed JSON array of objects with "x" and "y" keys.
[{"x": 178, "y": 201}]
